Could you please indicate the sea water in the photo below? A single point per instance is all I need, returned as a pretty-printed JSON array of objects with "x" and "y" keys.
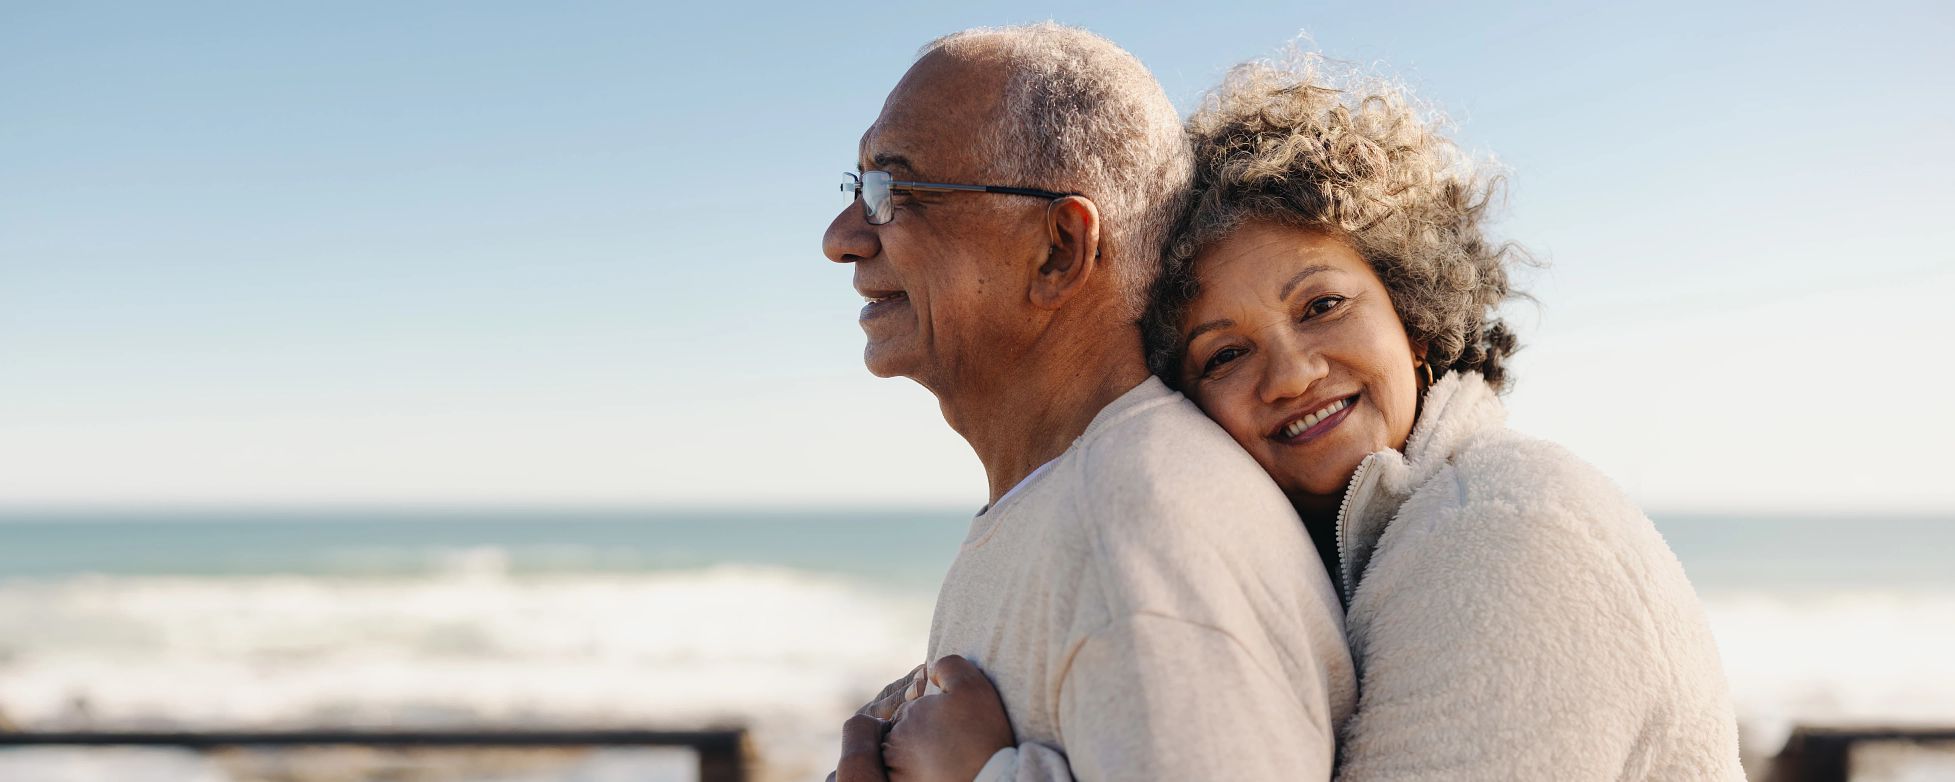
[{"x": 776, "y": 621}]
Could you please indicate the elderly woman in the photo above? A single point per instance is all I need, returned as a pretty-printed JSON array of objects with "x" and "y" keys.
[{"x": 1331, "y": 302}]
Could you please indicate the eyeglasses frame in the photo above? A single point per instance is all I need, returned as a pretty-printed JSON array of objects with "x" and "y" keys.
[{"x": 855, "y": 186}]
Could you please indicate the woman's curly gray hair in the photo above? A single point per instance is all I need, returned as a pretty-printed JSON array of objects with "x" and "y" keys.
[{"x": 1362, "y": 162}]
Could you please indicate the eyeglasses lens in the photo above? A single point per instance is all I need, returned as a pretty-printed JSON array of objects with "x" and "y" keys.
[{"x": 875, "y": 197}]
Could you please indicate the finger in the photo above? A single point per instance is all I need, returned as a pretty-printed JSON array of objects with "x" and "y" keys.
[
  {"x": 885, "y": 707},
  {"x": 861, "y": 751},
  {"x": 902, "y": 712},
  {"x": 918, "y": 679},
  {"x": 899, "y": 686},
  {"x": 901, "y": 734},
  {"x": 895, "y": 746},
  {"x": 952, "y": 671},
  {"x": 891, "y": 696}
]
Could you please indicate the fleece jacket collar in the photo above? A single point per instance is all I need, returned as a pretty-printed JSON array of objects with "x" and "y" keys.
[{"x": 1457, "y": 408}]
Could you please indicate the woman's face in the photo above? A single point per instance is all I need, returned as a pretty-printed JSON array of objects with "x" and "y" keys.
[{"x": 1294, "y": 348}]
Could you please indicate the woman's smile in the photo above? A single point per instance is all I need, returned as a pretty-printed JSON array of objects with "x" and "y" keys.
[{"x": 1314, "y": 424}]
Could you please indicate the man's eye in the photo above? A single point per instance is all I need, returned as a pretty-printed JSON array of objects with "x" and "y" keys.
[
  {"x": 1223, "y": 356},
  {"x": 1321, "y": 305}
]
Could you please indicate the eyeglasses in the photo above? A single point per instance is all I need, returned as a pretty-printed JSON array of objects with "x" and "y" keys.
[{"x": 875, "y": 188}]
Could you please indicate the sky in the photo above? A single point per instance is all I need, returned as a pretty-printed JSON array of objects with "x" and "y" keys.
[{"x": 569, "y": 254}]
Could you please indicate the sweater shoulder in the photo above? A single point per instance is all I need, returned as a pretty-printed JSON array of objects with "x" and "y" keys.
[
  {"x": 1165, "y": 466},
  {"x": 1508, "y": 508},
  {"x": 1537, "y": 485},
  {"x": 1183, "y": 523}
]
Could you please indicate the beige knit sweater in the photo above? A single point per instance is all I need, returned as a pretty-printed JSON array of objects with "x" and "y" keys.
[{"x": 1151, "y": 608}]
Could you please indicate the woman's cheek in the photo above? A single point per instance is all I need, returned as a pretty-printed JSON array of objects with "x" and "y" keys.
[{"x": 1241, "y": 420}]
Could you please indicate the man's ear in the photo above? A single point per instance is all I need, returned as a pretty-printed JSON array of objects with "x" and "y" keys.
[{"x": 1073, "y": 229}]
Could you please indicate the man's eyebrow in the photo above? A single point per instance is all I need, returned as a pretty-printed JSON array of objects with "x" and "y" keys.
[
  {"x": 1298, "y": 279},
  {"x": 887, "y": 160},
  {"x": 1204, "y": 329}
]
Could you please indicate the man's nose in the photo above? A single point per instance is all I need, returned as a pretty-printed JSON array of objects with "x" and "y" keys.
[
  {"x": 850, "y": 238},
  {"x": 1289, "y": 372}
]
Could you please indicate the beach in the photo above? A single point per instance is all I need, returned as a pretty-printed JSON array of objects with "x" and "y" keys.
[{"x": 778, "y": 622}]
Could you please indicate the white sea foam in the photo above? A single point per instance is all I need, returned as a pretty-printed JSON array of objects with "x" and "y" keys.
[
  {"x": 1843, "y": 658},
  {"x": 787, "y": 653}
]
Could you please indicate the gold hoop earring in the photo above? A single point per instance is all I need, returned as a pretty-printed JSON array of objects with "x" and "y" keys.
[{"x": 1428, "y": 368}]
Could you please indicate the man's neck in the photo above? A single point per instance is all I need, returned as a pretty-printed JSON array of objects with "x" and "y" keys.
[{"x": 1044, "y": 402}]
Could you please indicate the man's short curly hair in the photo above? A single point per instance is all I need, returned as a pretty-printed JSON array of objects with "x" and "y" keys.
[{"x": 1361, "y": 161}]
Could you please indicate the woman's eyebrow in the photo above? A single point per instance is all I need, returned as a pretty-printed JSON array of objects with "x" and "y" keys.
[
  {"x": 1298, "y": 279},
  {"x": 1204, "y": 329}
]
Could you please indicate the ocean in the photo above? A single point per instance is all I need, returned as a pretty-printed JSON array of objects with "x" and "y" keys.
[{"x": 781, "y": 622}]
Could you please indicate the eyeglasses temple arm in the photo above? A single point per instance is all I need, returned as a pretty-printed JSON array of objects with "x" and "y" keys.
[
  {"x": 935, "y": 186},
  {"x": 1027, "y": 191}
]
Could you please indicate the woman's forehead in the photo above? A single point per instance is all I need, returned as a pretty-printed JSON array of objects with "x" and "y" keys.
[{"x": 1267, "y": 262}]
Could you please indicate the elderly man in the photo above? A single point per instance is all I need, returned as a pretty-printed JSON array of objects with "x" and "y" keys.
[{"x": 1143, "y": 597}]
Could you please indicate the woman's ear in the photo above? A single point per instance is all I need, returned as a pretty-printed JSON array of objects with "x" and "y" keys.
[
  {"x": 1073, "y": 229},
  {"x": 1421, "y": 369}
]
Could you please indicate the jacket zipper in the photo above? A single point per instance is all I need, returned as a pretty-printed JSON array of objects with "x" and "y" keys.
[{"x": 1344, "y": 509}]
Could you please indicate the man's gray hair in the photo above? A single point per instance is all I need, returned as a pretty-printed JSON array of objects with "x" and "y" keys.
[{"x": 1082, "y": 115}]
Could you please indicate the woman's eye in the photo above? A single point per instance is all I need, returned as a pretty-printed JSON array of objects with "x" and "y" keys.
[
  {"x": 1321, "y": 305},
  {"x": 1223, "y": 356}
]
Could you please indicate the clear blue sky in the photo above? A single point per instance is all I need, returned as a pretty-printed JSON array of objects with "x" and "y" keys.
[{"x": 569, "y": 253}]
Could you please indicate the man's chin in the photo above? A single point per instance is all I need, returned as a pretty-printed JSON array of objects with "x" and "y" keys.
[{"x": 886, "y": 360}]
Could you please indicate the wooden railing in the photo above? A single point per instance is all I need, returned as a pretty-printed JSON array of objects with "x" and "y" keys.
[
  {"x": 723, "y": 754},
  {"x": 1825, "y": 754}
]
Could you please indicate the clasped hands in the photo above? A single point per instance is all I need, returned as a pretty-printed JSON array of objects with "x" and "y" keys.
[{"x": 910, "y": 734}]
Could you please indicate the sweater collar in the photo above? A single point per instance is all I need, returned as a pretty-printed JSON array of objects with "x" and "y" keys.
[
  {"x": 1121, "y": 408},
  {"x": 1456, "y": 408}
]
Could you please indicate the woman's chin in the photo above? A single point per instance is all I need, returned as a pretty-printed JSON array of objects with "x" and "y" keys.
[
  {"x": 1317, "y": 490},
  {"x": 1318, "y": 485}
]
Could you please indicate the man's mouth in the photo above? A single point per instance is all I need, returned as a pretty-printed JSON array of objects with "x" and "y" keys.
[
  {"x": 877, "y": 303},
  {"x": 1315, "y": 423}
]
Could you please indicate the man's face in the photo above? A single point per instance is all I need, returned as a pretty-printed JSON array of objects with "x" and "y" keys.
[{"x": 944, "y": 278}]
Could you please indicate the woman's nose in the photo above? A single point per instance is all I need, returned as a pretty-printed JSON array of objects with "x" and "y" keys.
[
  {"x": 850, "y": 238},
  {"x": 1289, "y": 372}
]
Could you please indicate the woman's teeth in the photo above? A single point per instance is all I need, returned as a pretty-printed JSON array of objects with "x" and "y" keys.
[{"x": 1298, "y": 426}]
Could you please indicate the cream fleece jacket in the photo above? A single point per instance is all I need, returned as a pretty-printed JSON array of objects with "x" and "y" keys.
[
  {"x": 1514, "y": 617},
  {"x": 1151, "y": 608}
]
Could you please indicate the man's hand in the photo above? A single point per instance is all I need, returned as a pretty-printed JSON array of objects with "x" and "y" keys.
[
  {"x": 948, "y": 736},
  {"x": 862, "y": 734},
  {"x": 862, "y": 738}
]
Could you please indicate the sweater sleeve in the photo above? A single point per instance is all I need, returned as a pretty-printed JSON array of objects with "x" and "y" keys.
[
  {"x": 1159, "y": 698},
  {"x": 1507, "y": 643}
]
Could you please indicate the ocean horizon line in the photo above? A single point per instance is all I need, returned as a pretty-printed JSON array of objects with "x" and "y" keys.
[
  {"x": 458, "y": 511},
  {"x": 649, "y": 511}
]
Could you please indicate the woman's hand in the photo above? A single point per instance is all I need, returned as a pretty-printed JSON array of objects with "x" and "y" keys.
[
  {"x": 948, "y": 736},
  {"x": 893, "y": 696}
]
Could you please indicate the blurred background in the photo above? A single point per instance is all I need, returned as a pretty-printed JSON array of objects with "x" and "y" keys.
[{"x": 475, "y": 365}]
